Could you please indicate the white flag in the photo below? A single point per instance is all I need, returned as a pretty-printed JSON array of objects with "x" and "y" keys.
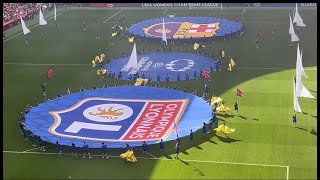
[
  {"x": 296, "y": 105},
  {"x": 133, "y": 62},
  {"x": 55, "y": 13},
  {"x": 41, "y": 19},
  {"x": 24, "y": 27},
  {"x": 164, "y": 34},
  {"x": 301, "y": 67},
  {"x": 294, "y": 37},
  {"x": 297, "y": 18}
]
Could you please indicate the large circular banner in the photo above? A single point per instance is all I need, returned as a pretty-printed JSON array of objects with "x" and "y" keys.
[
  {"x": 118, "y": 115},
  {"x": 185, "y": 27},
  {"x": 152, "y": 65}
]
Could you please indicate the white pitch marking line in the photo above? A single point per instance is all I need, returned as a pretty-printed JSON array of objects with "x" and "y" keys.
[
  {"x": 33, "y": 26},
  {"x": 33, "y": 64},
  {"x": 165, "y": 11},
  {"x": 287, "y": 172},
  {"x": 187, "y": 160},
  {"x": 113, "y": 16},
  {"x": 147, "y": 153},
  {"x": 36, "y": 148}
]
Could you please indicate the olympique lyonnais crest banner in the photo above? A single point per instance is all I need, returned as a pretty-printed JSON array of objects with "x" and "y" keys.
[{"x": 117, "y": 116}]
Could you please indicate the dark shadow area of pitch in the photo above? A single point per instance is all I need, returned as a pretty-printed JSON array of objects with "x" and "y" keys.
[
  {"x": 313, "y": 132},
  {"x": 227, "y": 139},
  {"x": 313, "y": 91},
  {"x": 313, "y": 116},
  {"x": 200, "y": 173},
  {"x": 301, "y": 128}
]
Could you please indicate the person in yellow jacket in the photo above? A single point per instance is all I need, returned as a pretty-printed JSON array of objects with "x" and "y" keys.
[{"x": 102, "y": 57}]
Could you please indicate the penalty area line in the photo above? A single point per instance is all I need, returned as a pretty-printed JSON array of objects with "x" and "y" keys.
[
  {"x": 165, "y": 11},
  {"x": 112, "y": 16},
  {"x": 147, "y": 153}
]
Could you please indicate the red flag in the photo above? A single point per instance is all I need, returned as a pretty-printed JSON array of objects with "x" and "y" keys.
[
  {"x": 206, "y": 74},
  {"x": 50, "y": 72},
  {"x": 239, "y": 92}
]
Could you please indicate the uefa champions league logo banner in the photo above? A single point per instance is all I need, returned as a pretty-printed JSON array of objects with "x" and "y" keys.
[{"x": 117, "y": 115}]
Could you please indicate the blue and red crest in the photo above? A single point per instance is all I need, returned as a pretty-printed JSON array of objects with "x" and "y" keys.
[{"x": 103, "y": 119}]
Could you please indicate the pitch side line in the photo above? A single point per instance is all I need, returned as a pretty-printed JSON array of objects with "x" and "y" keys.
[
  {"x": 36, "y": 148},
  {"x": 33, "y": 64},
  {"x": 113, "y": 16},
  {"x": 147, "y": 153},
  {"x": 165, "y": 11},
  {"x": 187, "y": 160},
  {"x": 287, "y": 172},
  {"x": 202, "y": 13},
  {"x": 34, "y": 26}
]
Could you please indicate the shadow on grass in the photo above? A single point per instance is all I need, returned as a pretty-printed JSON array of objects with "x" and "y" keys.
[
  {"x": 313, "y": 132},
  {"x": 312, "y": 91},
  {"x": 227, "y": 139},
  {"x": 313, "y": 116},
  {"x": 226, "y": 115},
  {"x": 200, "y": 173},
  {"x": 301, "y": 128},
  {"x": 256, "y": 119},
  {"x": 242, "y": 117},
  {"x": 168, "y": 156}
]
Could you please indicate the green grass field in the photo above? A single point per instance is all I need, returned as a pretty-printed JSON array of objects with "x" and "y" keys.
[{"x": 264, "y": 145}]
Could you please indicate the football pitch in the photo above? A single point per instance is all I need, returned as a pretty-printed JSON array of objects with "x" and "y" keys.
[{"x": 264, "y": 144}]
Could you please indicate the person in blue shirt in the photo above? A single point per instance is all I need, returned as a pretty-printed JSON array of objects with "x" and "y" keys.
[
  {"x": 211, "y": 69},
  {"x": 214, "y": 118},
  {"x": 81, "y": 89},
  {"x": 120, "y": 75},
  {"x": 184, "y": 90},
  {"x": 35, "y": 103},
  {"x": 195, "y": 92},
  {"x": 210, "y": 125},
  {"x": 113, "y": 74},
  {"x": 206, "y": 90},
  {"x": 161, "y": 145},
  {"x": 74, "y": 150},
  {"x": 149, "y": 79},
  {"x": 191, "y": 136},
  {"x": 41, "y": 144},
  {"x": 174, "y": 87},
  {"x": 86, "y": 150},
  {"x": 204, "y": 130},
  {"x": 94, "y": 87},
  {"x": 142, "y": 83},
  {"x": 58, "y": 95},
  {"x": 236, "y": 108},
  {"x": 43, "y": 87},
  {"x": 178, "y": 77},
  {"x": 187, "y": 77},
  {"x": 46, "y": 99},
  {"x": 143, "y": 76},
  {"x": 116, "y": 84},
  {"x": 201, "y": 72},
  {"x": 22, "y": 115},
  {"x": 167, "y": 78},
  {"x": 105, "y": 85},
  {"x": 68, "y": 91},
  {"x": 104, "y": 150},
  {"x": 144, "y": 147},
  {"x": 215, "y": 108},
  {"x": 294, "y": 120},
  {"x": 158, "y": 78},
  {"x": 59, "y": 148},
  {"x": 178, "y": 140},
  {"x": 177, "y": 150},
  {"x": 32, "y": 139},
  {"x": 127, "y": 147},
  {"x": 195, "y": 74},
  {"x": 130, "y": 77}
]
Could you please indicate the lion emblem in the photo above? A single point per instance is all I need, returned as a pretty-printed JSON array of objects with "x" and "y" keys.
[{"x": 110, "y": 114}]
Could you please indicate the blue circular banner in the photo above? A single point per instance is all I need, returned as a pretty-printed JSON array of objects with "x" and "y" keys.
[
  {"x": 185, "y": 27},
  {"x": 118, "y": 115},
  {"x": 164, "y": 65}
]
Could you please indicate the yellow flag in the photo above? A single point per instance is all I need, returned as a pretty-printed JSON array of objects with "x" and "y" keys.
[
  {"x": 113, "y": 34},
  {"x": 215, "y": 99},
  {"x": 196, "y": 46},
  {"x": 104, "y": 71},
  {"x": 93, "y": 63},
  {"x": 97, "y": 58},
  {"x": 222, "y": 54},
  {"x": 225, "y": 129},
  {"x": 140, "y": 80},
  {"x": 102, "y": 56},
  {"x": 232, "y": 62},
  {"x": 98, "y": 72},
  {"x": 131, "y": 39},
  {"x": 230, "y": 67}
]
